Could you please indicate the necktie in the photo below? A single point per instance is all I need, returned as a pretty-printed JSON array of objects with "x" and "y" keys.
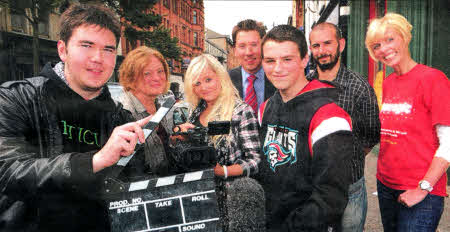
[{"x": 250, "y": 94}]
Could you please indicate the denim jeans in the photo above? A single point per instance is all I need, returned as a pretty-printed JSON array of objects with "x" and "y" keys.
[
  {"x": 422, "y": 217},
  {"x": 355, "y": 213}
]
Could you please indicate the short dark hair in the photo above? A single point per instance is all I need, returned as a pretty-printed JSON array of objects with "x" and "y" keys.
[
  {"x": 79, "y": 14},
  {"x": 248, "y": 25},
  {"x": 282, "y": 33},
  {"x": 337, "y": 31}
]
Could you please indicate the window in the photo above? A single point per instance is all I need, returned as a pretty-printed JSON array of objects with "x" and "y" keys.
[
  {"x": 43, "y": 28},
  {"x": 18, "y": 22},
  {"x": 174, "y": 6},
  {"x": 195, "y": 39},
  {"x": 182, "y": 10},
  {"x": 194, "y": 17},
  {"x": 166, "y": 3}
]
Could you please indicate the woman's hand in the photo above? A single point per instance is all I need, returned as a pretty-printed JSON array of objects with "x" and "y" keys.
[
  {"x": 411, "y": 197},
  {"x": 180, "y": 128},
  {"x": 232, "y": 170},
  {"x": 184, "y": 127},
  {"x": 218, "y": 170}
]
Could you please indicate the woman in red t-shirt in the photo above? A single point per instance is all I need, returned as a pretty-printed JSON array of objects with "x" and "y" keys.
[{"x": 415, "y": 131}]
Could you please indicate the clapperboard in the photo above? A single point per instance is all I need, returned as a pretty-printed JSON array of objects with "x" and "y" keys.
[{"x": 180, "y": 203}]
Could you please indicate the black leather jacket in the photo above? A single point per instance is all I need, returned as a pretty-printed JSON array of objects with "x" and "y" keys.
[{"x": 42, "y": 188}]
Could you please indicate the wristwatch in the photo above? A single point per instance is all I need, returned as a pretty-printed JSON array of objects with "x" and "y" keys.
[{"x": 425, "y": 185}]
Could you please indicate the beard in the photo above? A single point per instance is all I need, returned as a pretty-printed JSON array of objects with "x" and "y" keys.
[
  {"x": 92, "y": 89},
  {"x": 331, "y": 64}
]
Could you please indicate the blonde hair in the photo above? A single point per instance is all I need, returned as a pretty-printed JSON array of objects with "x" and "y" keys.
[
  {"x": 378, "y": 27},
  {"x": 225, "y": 103},
  {"x": 133, "y": 66}
]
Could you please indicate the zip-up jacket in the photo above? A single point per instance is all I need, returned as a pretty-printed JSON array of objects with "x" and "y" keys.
[
  {"x": 307, "y": 145},
  {"x": 48, "y": 136}
]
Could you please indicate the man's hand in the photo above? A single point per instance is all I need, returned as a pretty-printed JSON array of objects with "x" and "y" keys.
[
  {"x": 121, "y": 143},
  {"x": 411, "y": 197}
]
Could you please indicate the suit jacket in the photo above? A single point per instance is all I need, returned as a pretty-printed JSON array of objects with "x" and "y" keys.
[{"x": 236, "y": 78}]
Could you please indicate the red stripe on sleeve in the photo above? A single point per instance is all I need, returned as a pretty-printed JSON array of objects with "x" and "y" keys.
[{"x": 325, "y": 112}]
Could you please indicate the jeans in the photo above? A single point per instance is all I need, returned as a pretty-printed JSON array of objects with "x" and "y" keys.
[
  {"x": 355, "y": 213},
  {"x": 422, "y": 217}
]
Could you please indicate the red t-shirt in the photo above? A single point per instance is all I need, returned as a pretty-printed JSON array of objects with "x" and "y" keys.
[{"x": 413, "y": 104}]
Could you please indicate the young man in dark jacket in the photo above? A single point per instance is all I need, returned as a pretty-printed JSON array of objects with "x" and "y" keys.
[
  {"x": 307, "y": 141},
  {"x": 60, "y": 131}
]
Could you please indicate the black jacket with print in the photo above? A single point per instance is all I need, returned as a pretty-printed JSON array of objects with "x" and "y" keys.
[
  {"x": 48, "y": 136},
  {"x": 305, "y": 192}
]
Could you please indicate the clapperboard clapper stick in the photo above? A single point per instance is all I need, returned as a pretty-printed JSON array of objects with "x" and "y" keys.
[
  {"x": 179, "y": 203},
  {"x": 148, "y": 129}
]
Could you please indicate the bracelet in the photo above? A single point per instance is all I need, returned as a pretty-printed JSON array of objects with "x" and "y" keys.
[{"x": 225, "y": 172}]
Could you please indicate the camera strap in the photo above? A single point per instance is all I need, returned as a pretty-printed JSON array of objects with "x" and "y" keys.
[{"x": 148, "y": 129}]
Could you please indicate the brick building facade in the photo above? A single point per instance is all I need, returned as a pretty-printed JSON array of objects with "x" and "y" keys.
[{"x": 185, "y": 19}]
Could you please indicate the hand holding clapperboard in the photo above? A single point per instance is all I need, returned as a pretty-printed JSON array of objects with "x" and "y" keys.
[{"x": 180, "y": 203}]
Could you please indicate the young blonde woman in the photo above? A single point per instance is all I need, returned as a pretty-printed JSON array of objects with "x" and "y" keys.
[
  {"x": 415, "y": 131},
  {"x": 212, "y": 96},
  {"x": 144, "y": 76}
]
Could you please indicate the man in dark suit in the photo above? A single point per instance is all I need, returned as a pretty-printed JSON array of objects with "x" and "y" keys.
[{"x": 249, "y": 76}]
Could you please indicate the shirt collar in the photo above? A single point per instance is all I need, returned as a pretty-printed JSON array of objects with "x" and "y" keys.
[
  {"x": 340, "y": 76},
  {"x": 59, "y": 70},
  {"x": 139, "y": 107},
  {"x": 134, "y": 103},
  {"x": 340, "y": 73},
  {"x": 259, "y": 74}
]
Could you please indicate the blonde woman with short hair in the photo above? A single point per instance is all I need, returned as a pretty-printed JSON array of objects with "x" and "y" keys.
[
  {"x": 415, "y": 131},
  {"x": 212, "y": 95}
]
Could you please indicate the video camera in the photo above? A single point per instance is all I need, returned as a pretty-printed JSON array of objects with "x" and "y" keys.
[
  {"x": 194, "y": 153},
  {"x": 184, "y": 202}
]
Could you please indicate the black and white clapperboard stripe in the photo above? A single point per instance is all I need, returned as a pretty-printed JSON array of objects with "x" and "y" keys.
[
  {"x": 179, "y": 203},
  {"x": 150, "y": 127},
  {"x": 185, "y": 202}
]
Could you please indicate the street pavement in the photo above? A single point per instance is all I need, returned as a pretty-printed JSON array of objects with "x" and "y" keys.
[{"x": 373, "y": 221}]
